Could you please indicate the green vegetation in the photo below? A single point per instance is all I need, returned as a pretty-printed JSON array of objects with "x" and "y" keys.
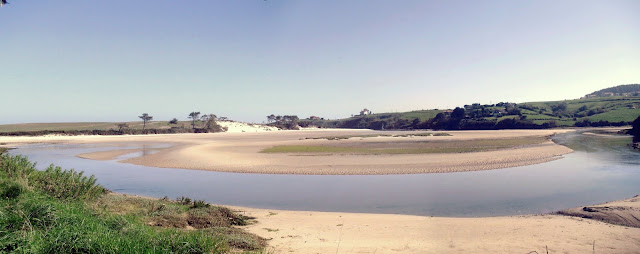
[
  {"x": 62, "y": 211},
  {"x": 286, "y": 122},
  {"x": 408, "y": 147}
]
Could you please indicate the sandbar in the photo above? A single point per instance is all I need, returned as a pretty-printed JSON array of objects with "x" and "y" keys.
[{"x": 241, "y": 152}]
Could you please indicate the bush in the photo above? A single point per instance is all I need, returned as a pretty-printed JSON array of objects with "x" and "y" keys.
[
  {"x": 16, "y": 166},
  {"x": 66, "y": 184},
  {"x": 184, "y": 200},
  {"x": 10, "y": 189},
  {"x": 199, "y": 204}
]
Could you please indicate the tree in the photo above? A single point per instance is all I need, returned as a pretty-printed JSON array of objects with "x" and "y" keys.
[
  {"x": 458, "y": 113},
  {"x": 194, "y": 116},
  {"x": 207, "y": 118},
  {"x": 122, "y": 126},
  {"x": 174, "y": 121},
  {"x": 145, "y": 118},
  {"x": 210, "y": 123},
  {"x": 271, "y": 118}
]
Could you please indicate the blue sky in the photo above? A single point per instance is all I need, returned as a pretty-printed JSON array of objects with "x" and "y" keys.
[{"x": 112, "y": 60}]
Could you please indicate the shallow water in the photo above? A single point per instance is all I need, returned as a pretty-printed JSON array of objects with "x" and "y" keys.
[{"x": 602, "y": 169}]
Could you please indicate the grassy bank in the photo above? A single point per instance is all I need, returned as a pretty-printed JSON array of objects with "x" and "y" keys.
[
  {"x": 408, "y": 147},
  {"x": 63, "y": 211}
]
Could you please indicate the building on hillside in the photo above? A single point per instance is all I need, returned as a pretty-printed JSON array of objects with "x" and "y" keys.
[
  {"x": 365, "y": 112},
  {"x": 607, "y": 94},
  {"x": 314, "y": 118}
]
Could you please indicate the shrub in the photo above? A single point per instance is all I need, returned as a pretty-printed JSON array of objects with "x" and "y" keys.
[
  {"x": 10, "y": 189},
  {"x": 16, "y": 166},
  {"x": 66, "y": 184},
  {"x": 184, "y": 200},
  {"x": 199, "y": 204}
]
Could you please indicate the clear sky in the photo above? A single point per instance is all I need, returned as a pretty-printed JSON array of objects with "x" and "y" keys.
[{"x": 112, "y": 60}]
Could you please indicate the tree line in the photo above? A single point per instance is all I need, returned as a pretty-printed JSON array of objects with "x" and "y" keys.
[{"x": 286, "y": 122}]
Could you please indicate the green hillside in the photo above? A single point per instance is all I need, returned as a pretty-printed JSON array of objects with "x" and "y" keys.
[{"x": 598, "y": 111}]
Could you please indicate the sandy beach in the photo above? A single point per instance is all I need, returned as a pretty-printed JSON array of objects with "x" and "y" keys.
[
  {"x": 325, "y": 232},
  {"x": 238, "y": 151}
]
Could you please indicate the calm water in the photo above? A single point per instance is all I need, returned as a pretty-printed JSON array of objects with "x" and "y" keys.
[{"x": 602, "y": 169}]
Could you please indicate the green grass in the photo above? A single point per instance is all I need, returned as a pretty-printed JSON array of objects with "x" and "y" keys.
[
  {"x": 616, "y": 115},
  {"x": 62, "y": 211},
  {"x": 378, "y": 148},
  {"x": 616, "y": 109}
]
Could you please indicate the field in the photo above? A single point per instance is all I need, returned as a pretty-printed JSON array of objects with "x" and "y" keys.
[{"x": 611, "y": 109}]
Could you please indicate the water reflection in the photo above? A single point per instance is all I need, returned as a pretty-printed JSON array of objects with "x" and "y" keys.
[{"x": 602, "y": 169}]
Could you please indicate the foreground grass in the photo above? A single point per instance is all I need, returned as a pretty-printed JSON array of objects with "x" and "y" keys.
[
  {"x": 62, "y": 211},
  {"x": 409, "y": 147}
]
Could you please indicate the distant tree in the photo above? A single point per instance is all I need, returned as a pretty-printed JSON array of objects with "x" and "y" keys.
[
  {"x": 174, "y": 121},
  {"x": 194, "y": 116},
  {"x": 271, "y": 118},
  {"x": 458, "y": 113},
  {"x": 122, "y": 126},
  {"x": 205, "y": 118},
  {"x": 223, "y": 118},
  {"x": 145, "y": 118},
  {"x": 211, "y": 124},
  {"x": 583, "y": 108}
]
